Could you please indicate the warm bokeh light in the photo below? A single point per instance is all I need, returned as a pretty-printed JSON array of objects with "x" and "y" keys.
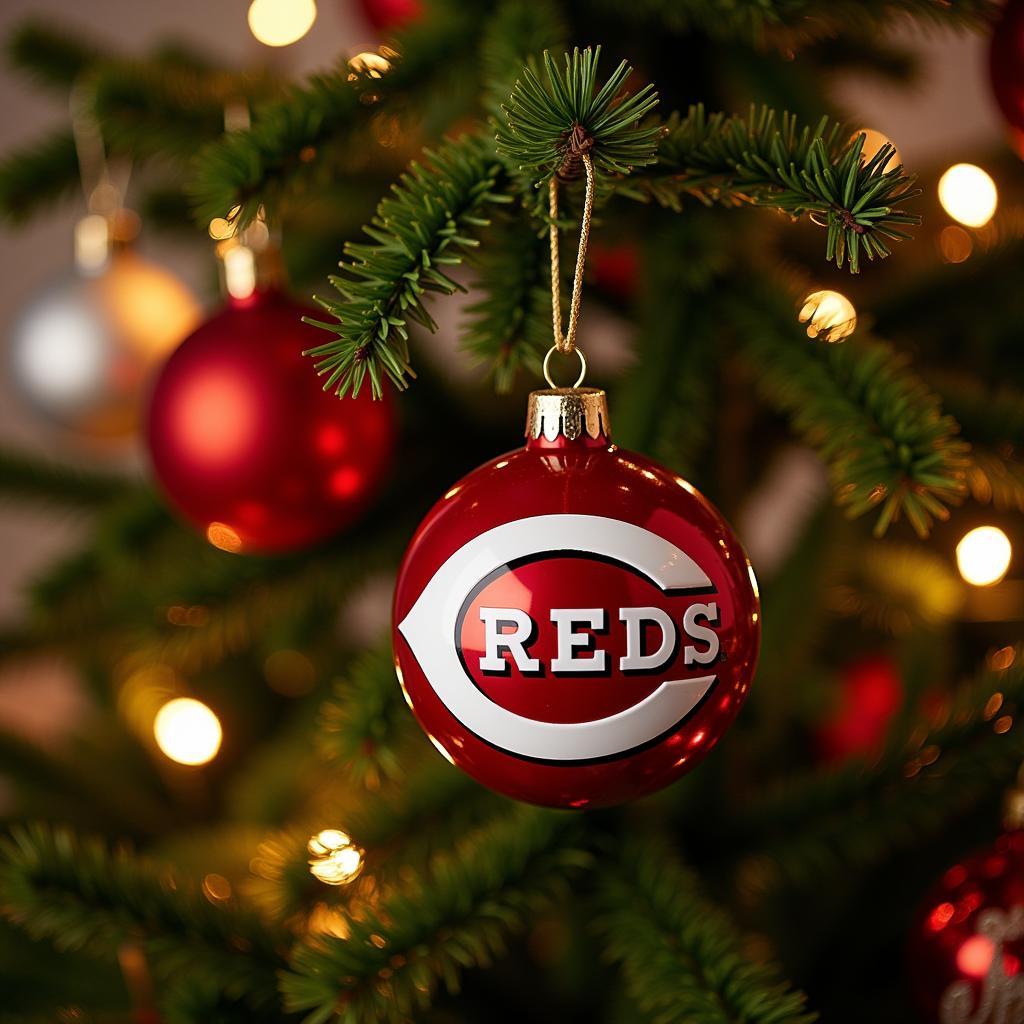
[
  {"x": 968, "y": 194},
  {"x": 829, "y": 315},
  {"x": 222, "y": 536},
  {"x": 333, "y": 858},
  {"x": 92, "y": 243},
  {"x": 873, "y": 142},
  {"x": 955, "y": 244},
  {"x": 281, "y": 22},
  {"x": 983, "y": 555},
  {"x": 974, "y": 958},
  {"x": 187, "y": 731}
]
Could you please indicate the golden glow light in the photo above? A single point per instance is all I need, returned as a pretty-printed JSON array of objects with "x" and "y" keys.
[
  {"x": 968, "y": 194},
  {"x": 333, "y": 858},
  {"x": 281, "y": 22},
  {"x": 983, "y": 555},
  {"x": 873, "y": 141},
  {"x": 829, "y": 315},
  {"x": 187, "y": 731}
]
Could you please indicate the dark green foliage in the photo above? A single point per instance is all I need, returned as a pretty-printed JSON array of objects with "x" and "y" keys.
[
  {"x": 38, "y": 175},
  {"x": 34, "y": 480},
  {"x": 549, "y": 126},
  {"x": 52, "y": 57},
  {"x": 509, "y": 328},
  {"x": 460, "y": 914},
  {"x": 775, "y": 162},
  {"x": 680, "y": 957},
  {"x": 82, "y": 895},
  {"x": 363, "y": 724},
  {"x": 827, "y": 824},
  {"x": 881, "y": 431},
  {"x": 424, "y": 228}
]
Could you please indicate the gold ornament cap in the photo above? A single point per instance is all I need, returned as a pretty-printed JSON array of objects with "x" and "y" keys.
[{"x": 567, "y": 412}]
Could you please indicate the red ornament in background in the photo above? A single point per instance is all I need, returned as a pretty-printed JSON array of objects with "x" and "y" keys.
[
  {"x": 575, "y": 625},
  {"x": 387, "y": 15},
  {"x": 967, "y": 946},
  {"x": 615, "y": 269},
  {"x": 1006, "y": 69},
  {"x": 248, "y": 446},
  {"x": 870, "y": 693}
]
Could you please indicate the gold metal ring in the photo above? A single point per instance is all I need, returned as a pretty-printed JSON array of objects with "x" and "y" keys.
[{"x": 547, "y": 366}]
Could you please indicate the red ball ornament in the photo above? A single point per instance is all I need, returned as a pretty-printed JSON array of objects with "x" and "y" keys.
[
  {"x": 247, "y": 445},
  {"x": 387, "y": 15},
  {"x": 870, "y": 693},
  {"x": 967, "y": 947},
  {"x": 575, "y": 625},
  {"x": 1006, "y": 69}
]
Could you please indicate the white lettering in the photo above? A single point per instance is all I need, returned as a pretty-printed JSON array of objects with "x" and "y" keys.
[{"x": 514, "y": 642}]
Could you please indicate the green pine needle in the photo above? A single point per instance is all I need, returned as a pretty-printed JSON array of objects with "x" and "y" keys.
[{"x": 546, "y": 124}]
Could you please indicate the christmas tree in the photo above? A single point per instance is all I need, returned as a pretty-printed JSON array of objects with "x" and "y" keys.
[{"x": 249, "y": 824}]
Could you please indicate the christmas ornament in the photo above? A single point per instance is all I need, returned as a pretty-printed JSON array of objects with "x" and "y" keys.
[
  {"x": 870, "y": 693},
  {"x": 388, "y": 15},
  {"x": 83, "y": 351},
  {"x": 1006, "y": 69},
  {"x": 967, "y": 947},
  {"x": 247, "y": 445},
  {"x": 575, "y": 625}
]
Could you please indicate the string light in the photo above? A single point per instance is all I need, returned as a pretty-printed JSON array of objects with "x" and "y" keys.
[
  {"x": 187, "y": 731},
  {"x": 829, "y": 316},
  {"x": 333, "y": 858},
  {"x": 968, "y": 194},
  {"x": 281, "y": 22},
  {"x": 983, "y": 555}
]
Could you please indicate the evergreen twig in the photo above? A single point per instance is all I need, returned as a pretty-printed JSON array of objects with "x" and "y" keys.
[
  {"x": 680, "y": 956},
  {"x": 26, "y": 478},
  {"x": 422, "y": 936}
]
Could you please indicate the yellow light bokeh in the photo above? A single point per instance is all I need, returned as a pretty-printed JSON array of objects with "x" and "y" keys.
[
  {"x": 983, "y": 555},
  {"x": 334, "y": 858},
  {"x": 968, "y": 194},
  {"x": 187, "y": 731},
  {"x": 281, "y": 22},
  {"x": 222, "y": 536},
  {"x": 873, "y": 141},
  {"x": 829, "y": 315}
]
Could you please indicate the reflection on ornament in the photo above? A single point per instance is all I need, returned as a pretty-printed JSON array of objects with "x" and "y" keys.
[
  {"x": 281, "y": 22},
  {"x": 333, "y": 858},
  {"x": 1001, "y": 999},
  {"x": 83, "y": 350},
  {"x": 829, "y": 315},
  {"x": 187, "y": 731},
  {"x": 983, "y": 555},
  {"x": 968, "y": 194}
]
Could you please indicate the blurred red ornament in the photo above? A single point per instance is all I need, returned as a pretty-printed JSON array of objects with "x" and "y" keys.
[
  {"x": 967, "y": 945},
  {"x": 386, "y": 15},
  {"x": 870, "y": 693},
  {"x": 248, "y": 446},
  {"x": 575, "y": 625},
  {"x": 1006, "y": 69},
  {"x": 615, "y": 269}
]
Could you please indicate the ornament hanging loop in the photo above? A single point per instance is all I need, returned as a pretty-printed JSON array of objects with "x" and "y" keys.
[
  {"x": 566, "y": 344},
  {"x": 547, "y": 366}
]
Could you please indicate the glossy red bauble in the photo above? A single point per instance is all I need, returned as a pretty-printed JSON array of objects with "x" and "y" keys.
[
  {"x": 575, "y": 625},
  {"x": 967, "y": 946},
  {"x": 247, "y": 445},
  {"x": 870, "y": 693},
  {"x": 1006, "y": 69},
  {"x": 386, "y": 15}
]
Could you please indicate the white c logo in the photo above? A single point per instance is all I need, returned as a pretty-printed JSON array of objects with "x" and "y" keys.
[{"x": 429, "y": 628}]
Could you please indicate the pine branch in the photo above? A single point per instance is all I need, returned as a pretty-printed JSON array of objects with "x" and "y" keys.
[
  {"x": 421, "y": 937},
  {"x": 509, "y": 328},
  {"x": 549, "y": 126},
  {"x": 772, "y": 161},
  {"x": 38, "y": 175},
  {"x": 422, "y": 229},
  {"x": 879, "y": 429},
  {"x": 26, "y": 478},
  {"x": 787, "y": 23},
  {"x": 680, "y": 957},
  {"x": 859, "y": 815},
  {"x": 363, "y": 725},
  {"x": 83, "y": 896},
  {"x": 53, "y": 58}
]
